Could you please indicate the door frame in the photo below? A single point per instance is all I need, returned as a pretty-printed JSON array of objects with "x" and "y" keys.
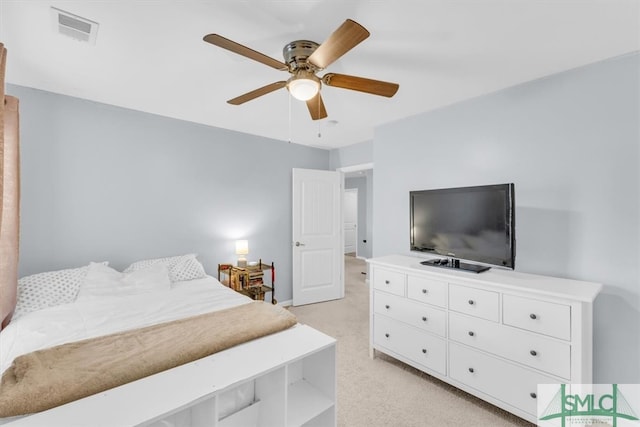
[{"x": 355, "y": 168}]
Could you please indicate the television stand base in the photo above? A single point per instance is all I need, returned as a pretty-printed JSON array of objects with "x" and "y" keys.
[{"x": 454, "y": 264}]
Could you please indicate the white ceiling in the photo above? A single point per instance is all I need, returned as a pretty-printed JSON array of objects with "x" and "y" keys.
[{"x": 150, "y": 55}]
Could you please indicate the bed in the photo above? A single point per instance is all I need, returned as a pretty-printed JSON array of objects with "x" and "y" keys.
[
  {"x": 174, "y": 331},
  {"x": 268, "y": 380}
]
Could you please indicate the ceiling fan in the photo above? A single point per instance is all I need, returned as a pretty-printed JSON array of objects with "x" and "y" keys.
[{"x": 303, "y": 59}]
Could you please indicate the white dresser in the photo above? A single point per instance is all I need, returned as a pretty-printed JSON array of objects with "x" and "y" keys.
[{"x": 496, "y": 334}]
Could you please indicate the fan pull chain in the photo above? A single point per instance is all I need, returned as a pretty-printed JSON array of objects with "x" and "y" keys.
[
  {"x": 289, "y": 96},
  {"x": 319, "y": 132}
]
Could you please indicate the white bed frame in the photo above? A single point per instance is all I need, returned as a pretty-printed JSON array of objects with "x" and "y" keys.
[{"x": 291, "y": 375}]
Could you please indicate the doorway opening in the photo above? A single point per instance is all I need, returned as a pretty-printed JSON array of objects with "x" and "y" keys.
[
  {"x": 360, "y": 177},
  {"x": 350, "y": 221}
]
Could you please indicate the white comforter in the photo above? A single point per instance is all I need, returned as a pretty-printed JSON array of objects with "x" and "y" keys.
[{"x": 96, "y": 317}]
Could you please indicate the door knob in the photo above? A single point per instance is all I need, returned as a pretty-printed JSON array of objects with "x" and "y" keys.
[{"x": 299, "y": 244}]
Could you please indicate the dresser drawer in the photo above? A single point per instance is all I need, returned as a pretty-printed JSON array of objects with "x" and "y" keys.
[
  {"x": 536, "y": 351},
  {"x": 389, "y": 281},
  {"x": 474, "y": 302},
  {"x": 538, "y": 316},
  {"x": 427, "y": 290},
  {"x": 414, "y": 313},
  {"x": 421, "y": 347},
  {"x": 512, "y": 384}
]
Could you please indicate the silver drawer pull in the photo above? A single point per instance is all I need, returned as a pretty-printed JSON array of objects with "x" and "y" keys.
[
  {"x": 387, "y": 306},
  {"x": 424, "y": 350},
  {"x": 471, "y": 302},
  {"x": 533, "y": 353},
  {"x": 533, "y": 316},
  {"x": 533, "y": 395},
  {"x": 471, "y": 370},
  {"x": 471, "y": 333},
  {"x": 424, "y": 291},
  {"x": 424, "y": 318}
]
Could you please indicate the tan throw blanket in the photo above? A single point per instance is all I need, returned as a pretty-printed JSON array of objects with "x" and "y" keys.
[{"x": 51, "y": 377}]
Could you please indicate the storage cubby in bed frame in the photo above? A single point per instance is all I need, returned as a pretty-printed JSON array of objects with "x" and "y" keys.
[{"x": 300, "y": 393}]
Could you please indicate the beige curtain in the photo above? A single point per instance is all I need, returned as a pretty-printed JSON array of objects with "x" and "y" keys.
[{"x": 9, "y": 197}]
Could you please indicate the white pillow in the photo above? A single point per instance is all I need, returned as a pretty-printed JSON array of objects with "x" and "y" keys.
[
  {"x": 182, "y": 267},
  {"x": 48, "y": 289},
  {"x": 103, "y": 281}
]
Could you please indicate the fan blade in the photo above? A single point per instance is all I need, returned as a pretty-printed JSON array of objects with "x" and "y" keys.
[
  {"x": 374, "y": 87},
  {"x": 256, "y": 93},
  {"x": 316, "y": 107},
  {"x": 218, "y": 40},
  {"x": 342, "y": 40}
]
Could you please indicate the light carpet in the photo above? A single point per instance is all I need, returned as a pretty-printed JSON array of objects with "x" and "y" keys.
[{"x": 382, "y": 391}]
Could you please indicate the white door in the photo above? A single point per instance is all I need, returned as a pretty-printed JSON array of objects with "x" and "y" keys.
[
  {"x": 317, "y": 236},
  {"x": 350, "y": 220}
]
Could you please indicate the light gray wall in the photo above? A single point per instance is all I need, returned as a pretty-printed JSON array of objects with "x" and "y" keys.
[
  {"x": 570, "y": 143},
  {"x": 354, "y": 154},
  {"x": 370, "y": 245},
  {"x": 105, "y": 183}
]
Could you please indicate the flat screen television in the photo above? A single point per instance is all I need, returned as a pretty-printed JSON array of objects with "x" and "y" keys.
[{"x": 467, "y": 223}]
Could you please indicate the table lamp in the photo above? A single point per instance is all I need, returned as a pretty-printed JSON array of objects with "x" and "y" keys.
[{"x": 242, "y": 249}]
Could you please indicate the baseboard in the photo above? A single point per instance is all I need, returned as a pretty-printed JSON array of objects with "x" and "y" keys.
[{"x": 287, "y": 303}]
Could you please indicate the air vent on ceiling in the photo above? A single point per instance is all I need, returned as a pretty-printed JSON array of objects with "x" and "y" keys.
[{"x": 74, "y": 26}]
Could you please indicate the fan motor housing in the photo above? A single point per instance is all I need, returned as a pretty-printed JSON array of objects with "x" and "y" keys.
[{"x": 296, "y": 54}]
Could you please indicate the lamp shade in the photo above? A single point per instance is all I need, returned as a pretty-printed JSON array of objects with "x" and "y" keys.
[
  {"x": 303, "y": 89},
  {"x": 303, "y": 85},
  {"x": 242, "y": 247}
]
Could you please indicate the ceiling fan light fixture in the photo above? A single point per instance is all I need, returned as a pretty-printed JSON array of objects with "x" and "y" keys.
[
  {"x": 303, "y": 59},
  {"x": 303, "y": 85}
]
